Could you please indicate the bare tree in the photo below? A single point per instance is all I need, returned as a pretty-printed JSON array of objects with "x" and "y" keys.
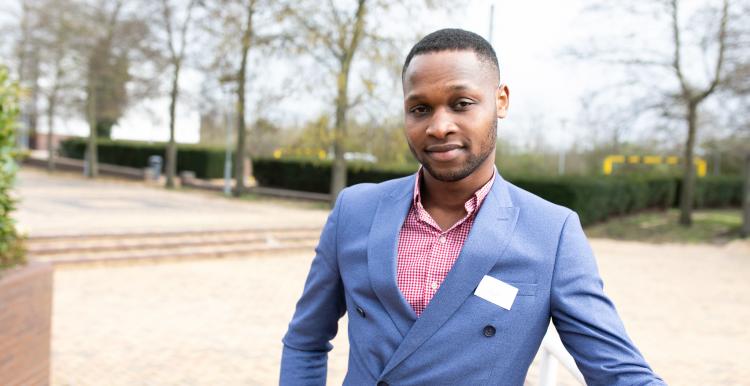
[
  {"x": 337, "y": 35},
  {"x": 723, "y": 56},
  {"x": 98, "y": 54},
  {"x": 692, "y": 96},
  {"x": 60, "y": 28},
  {"x": 341, "y": 35},
  {"x": 119, "y": 38},
  {"x": 240, "y": 28},
  {"x": 29, "y": 65},
  {"x": 248, "y": 34},
  {"x": 176, "y": 58}
]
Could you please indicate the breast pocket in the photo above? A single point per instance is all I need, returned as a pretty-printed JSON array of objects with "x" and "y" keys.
[
  {"x": 525, "y": 289},
  {"x": 502, "y": 293},
  {"x": 500, "y": 310}
]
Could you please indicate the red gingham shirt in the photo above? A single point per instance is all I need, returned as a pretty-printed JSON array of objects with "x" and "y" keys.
[{"x": 426, "y": 253}]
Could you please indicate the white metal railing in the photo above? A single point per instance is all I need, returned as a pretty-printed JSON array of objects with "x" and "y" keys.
[{"x": 553, "y": 352}]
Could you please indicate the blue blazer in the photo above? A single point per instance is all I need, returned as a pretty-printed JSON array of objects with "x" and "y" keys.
[{"x": 460, "y": 338}]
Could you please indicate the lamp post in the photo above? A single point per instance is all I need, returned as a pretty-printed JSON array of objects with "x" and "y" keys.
[{"x": 492, "y": 23}]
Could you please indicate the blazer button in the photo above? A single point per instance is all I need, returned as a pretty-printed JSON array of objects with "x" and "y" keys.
[
  {"x": 361, "y": 312},
  {"x": 489, "y": 331},
  {"x": 382, "y": 383}
]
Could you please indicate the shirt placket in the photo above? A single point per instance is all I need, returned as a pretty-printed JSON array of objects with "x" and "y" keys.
[{"x": 431, "y": 284}]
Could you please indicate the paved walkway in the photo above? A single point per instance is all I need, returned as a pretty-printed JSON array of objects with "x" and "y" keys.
[
  {"x": 68, "y": 203},
  {"x": 219, "y": 322}
]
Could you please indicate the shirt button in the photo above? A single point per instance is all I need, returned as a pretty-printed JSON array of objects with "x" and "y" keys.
[
  {"x": 441, "y": 239},
  {"x": 434, "y": 285},
  {"x": 361, "y": 312},
  {"x": 382, "y": 383},
  {"x": 489, "y": 331}
]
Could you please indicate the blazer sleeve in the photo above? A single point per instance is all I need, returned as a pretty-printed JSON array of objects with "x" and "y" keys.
[
  {"x": 586, "y": 319},
  {"x": 304, "y": 359}
]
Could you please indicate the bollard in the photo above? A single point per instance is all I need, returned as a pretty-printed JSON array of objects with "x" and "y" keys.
[{"x": 155, "y": 164}]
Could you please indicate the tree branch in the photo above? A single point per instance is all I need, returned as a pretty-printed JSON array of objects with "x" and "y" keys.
[
  {"x": 722, "y": 48},
  {"x": 686, "y": 90},
  {"x": 167, "y": 17}
]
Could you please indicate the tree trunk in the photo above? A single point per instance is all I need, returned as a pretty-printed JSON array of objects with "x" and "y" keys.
[
  {"x": 239, "y": 162},
  {"x": 51, "y": 105},
  {"x": 172, "y": 146},
  {"x": 91, "y": 152},
  {"x": 688, "y": 177},
  {"x": 33, "y": 111},
  {"x": 338, "y": 170}
]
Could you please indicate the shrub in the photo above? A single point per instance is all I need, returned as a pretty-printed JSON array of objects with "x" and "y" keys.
[
  {"x": 11, "y": 244},
  {"x": 205, "y": 161},
  {"x": 594, "y": 198},
  {"x": 718, "y": 192},
  {"x": 315, "y": 175}
]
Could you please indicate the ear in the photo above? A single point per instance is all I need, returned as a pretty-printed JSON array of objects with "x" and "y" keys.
[{"x": 502, "y": 100}]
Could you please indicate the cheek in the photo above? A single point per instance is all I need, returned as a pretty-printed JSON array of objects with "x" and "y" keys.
[{"x": 413, "y": 132}]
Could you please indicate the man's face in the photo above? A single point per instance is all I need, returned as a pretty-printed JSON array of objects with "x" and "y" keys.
[{"x": 451, "y": 104}]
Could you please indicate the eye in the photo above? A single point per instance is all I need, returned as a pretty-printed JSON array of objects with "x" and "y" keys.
[
  {"x": 463, "y": 104},
  {"x": 419, "y": 110}
]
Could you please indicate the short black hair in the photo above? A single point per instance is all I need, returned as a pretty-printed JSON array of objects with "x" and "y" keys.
[{"x": 454, "y": 39}]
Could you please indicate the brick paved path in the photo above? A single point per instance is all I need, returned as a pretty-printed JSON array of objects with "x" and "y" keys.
[{"x": 220, "y": 322}]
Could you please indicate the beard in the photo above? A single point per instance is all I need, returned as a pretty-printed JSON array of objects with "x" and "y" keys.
[{"x": 472, "y": 163}]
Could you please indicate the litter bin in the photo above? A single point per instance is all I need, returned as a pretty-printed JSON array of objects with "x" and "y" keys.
[{"x": 155, "y": 163}]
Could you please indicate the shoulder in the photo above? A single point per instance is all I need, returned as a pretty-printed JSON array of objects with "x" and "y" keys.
[
  {"x": 534, "y": 207},
  {"x": 544, "y": 226},
  {"x": 369, "y": 194}
]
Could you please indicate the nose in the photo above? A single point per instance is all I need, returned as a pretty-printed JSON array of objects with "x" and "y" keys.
[{"x": 441, "y": 124}]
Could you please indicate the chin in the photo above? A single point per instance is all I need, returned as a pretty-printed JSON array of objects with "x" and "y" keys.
[{"x": 447, "y": 174}]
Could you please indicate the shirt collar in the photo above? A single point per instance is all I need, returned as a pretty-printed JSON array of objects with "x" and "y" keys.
[{"x": 471, "y": 205}]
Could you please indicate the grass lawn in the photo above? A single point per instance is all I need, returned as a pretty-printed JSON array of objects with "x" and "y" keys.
[{"x": 717, "y": 226}]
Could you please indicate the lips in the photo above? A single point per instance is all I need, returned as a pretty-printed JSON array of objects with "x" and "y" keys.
[{"x": 444, "y": 152}]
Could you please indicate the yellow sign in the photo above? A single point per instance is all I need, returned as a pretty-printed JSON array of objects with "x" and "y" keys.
[
  {"x": 278, "y": 153},
  {"x": 611, "y": 160}
]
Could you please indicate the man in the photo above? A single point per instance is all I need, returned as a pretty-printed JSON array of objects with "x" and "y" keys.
[{"x": 451, "y": 276}]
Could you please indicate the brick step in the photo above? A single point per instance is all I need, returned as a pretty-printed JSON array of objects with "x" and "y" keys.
[
  {"x": 211, "y": 252},
  {"x": 158, "y": 250},
  {"x": 44, "y": 247},
  {"x": 166, "y": 233}
]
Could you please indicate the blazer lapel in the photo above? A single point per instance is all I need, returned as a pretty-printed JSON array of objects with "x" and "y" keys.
[
  {"x": 486, "y": 242},
  {"x": 382, "y": 250}
]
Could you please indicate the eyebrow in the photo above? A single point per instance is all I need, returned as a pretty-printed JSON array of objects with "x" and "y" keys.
[{"x": 452, "y": 87}]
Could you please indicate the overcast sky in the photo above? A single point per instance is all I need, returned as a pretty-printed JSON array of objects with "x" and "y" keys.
[{"x": 529, "y": 37}]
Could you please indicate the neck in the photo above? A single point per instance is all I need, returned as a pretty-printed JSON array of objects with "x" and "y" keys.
[{"x": 453, "y": 195}]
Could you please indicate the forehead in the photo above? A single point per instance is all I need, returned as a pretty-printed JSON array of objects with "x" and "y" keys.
[{"x": 448, "y": 67}]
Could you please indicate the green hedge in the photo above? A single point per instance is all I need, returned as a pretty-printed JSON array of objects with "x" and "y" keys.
[
  {"x": 206, "y": 162},
  {"x": 594, "y": 198},
  {"x": 315, "y": 176},
  {"x": 11, "y": 243},
  {"x": 717, "y": 192},
  {"x": 597, "y": 198}
]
